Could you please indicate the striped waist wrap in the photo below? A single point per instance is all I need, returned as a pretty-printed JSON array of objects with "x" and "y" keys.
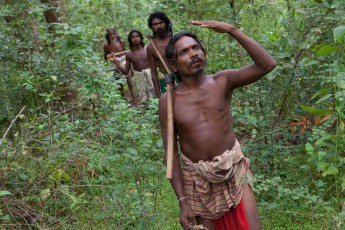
[{"x": 213, "y": 187}]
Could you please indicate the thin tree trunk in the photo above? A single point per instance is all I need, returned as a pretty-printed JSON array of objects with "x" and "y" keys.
[{"x": 54, "y": 13}]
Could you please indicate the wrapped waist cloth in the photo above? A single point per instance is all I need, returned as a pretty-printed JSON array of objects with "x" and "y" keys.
[
  {"x": 213, "y": 187},
  {"x": 117, "y": 74},
  {"x": 143, "y": 85},
  {"x": 122, "y": 61}
]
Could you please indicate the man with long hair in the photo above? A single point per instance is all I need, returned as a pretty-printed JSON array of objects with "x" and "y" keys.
[
  {"x": 161, "y": 27},
  {"x": 141, "y": 86},
  {"x": 113, "y": 44},
  {"x": 211, "y": 176}
]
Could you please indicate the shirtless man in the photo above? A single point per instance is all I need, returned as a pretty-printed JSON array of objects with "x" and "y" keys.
[
  {"x": 114, "y": 44},
  {"x": 213, "y": 182},
  {"x": 160, "y": 25},
  {"x": 141, "y": 79}
]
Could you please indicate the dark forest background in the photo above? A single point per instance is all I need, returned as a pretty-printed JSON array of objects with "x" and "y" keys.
[{"x": 74, "y": 154}]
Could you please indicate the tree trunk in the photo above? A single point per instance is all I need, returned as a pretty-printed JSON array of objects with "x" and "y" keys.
[{"x": 55, "y": 12}]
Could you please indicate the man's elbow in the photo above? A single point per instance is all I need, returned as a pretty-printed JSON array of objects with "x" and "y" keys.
[{"x": 270, "y": 65}]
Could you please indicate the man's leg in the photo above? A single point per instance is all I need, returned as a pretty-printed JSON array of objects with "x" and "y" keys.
[
  {"x": 122, "y": 90},
  {"x": 251, "y": 209}
]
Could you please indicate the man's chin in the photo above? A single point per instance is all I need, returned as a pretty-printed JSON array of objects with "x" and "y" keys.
[
  {"x": 200, "y": 71},
  {"x": 161, "y": 35}
]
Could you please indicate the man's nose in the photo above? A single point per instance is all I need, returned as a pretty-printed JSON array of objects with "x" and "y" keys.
[{"x": 192, "y": 53}]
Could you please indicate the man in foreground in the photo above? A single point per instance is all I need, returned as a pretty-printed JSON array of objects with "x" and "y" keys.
[
  {"x": 160, "y": 25},
  {"x": 141, "y": 80},
  {"x": 213, "y": 181}
]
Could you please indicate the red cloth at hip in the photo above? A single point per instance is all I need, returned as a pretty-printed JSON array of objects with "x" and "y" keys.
[{"x": 234, "y": 219}]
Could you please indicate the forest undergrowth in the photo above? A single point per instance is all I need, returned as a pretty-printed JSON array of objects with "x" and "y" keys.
[{"x": 74, "y": 154}]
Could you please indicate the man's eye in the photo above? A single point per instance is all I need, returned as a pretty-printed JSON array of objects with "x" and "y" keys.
[
  {"x": 196, "y": 47},
  {"x": 183, "y": 52}
]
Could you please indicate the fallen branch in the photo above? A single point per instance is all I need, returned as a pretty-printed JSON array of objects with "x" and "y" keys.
[{"x": 3, "y": 138}]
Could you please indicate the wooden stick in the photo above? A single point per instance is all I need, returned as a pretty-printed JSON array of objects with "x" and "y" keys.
[
  {"x": 170, "y": 117},
  {"x": 20, "y": 112},
  {"x": 117, "y": 54}
]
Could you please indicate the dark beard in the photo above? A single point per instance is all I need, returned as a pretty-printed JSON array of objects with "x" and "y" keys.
[{"x": 161, "y": 33}]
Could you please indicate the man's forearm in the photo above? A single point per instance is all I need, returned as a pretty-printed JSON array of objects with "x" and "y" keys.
[
  {"x": 131, "y": 88},
  {"x": 258, "y": 54},
  {"x": 155, "y": 82},
  {"x": 177, "y": 178}
]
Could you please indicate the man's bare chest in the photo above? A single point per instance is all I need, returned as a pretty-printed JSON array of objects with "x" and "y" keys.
[
  {"x": 115, "y": 47},
  {"x": 191, "y": 111}
]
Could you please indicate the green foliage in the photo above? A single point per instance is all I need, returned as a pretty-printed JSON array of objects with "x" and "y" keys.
[
  {"x": 326, "y": 145},
  {"x": 95, "y": 162}
]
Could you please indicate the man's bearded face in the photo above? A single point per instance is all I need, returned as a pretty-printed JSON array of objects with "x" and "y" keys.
[
  {"x": 159, "y": 28},
  {"x": 112, "y": 35}
]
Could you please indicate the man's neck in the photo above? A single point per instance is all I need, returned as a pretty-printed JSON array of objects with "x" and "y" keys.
[
  {"x": 163, "y": 38},
  {"x": 138, "y": 47},
  {"x": 113, "y": 41},
  {"x": 193, "y": 80}
]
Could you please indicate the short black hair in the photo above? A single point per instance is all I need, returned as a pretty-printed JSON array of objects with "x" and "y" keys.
[
  {"x": 130, "y": 40},
  {"x": 171, "y": 52},
  {"x": 160, "y": 15}
]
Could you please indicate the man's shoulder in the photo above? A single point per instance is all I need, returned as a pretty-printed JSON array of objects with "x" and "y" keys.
[
  {"x": 149, "y": 50},
  {"x": 129, "y": 55},
  {"x": 105, "y": 45}
]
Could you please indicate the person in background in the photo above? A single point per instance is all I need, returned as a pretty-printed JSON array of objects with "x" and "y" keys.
[
  {"x": 114, "y": 44},
  {"x": 161, "y": 27},
  {"x": 141, "y": 78}
]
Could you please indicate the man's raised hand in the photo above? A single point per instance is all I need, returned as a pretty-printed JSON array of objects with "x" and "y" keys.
[{"x": 220, "y": 27}]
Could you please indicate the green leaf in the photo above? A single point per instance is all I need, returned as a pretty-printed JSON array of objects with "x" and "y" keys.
[
  {"x": 64, "y": 189},
  {"x": 330, "y": 171},
  {"x": 5, "y": 218},
  {"x": 326, "y": 50},
  {"x": 325, "y": 97},
  {"x": 66, "y": 177},
  {"x": 322, "y": 91},
  {"x": 313, "y": 110},
  {"x": 343, "y": 184},
  {"x": 312, "y": 62},
  {"x": 320, "y": 155},
  {"x": 309, "y": 148},
  {"x": 337, "y": 3},
  {"x": 132, "y": 151},
  {"x": 323, "y": 138},
  {"x": 3, "y": 193},
  {"x": 54, "y": 78},
  {"x": 45, "y": 194},
  {"x": 338, "y": 33}
]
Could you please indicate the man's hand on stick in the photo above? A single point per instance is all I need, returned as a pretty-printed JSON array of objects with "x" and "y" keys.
[
  {"x": 186, "y": 216},
  {"x": 112, "y": 56}
]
